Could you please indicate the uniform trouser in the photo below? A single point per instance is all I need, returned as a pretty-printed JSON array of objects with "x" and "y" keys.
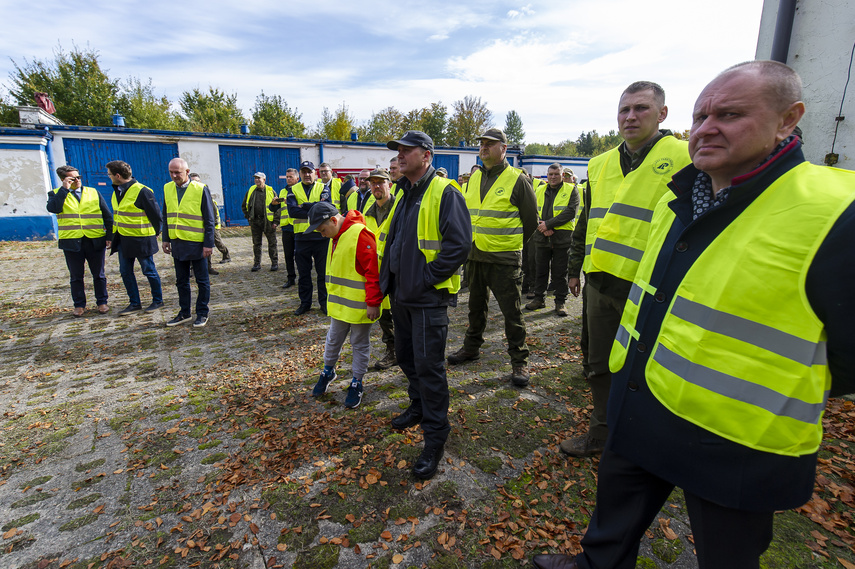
[
  {"x": 551, "y": 262},
  {"x": 265, "y": 229},
  {"x": 387, "y": 326},
  {"x": 529, "y": 266},
  {"x": 126, "y": 269},
  {"x": 306, "y": 251},
  {"x": 76, "y": 262},
  {"x": 583, "y": 341},
  {"x": 604, "y": 312},
  {"x": 182, "y": 282},
  {"x": 288, "y": 247},
  {"x": 505, "y": 282},
  {"x": 218, "y": 243},
  {"x": 420, "y": 339},
  {"x": 629, "y": 499},
  {"x": 360, "y": 343}
]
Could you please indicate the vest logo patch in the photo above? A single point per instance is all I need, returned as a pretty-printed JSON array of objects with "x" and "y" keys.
[
  {"x": 663, "y": 166},
  {"x": 500, "y": 191}
]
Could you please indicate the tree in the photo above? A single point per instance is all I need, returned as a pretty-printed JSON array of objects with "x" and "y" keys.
[
  {"x": 81, "y": 91},
  {"x": 8, "y": 113},
  {"x": 143, "y": 109},
  {"x": 336, "y": 126},
  {"x": 384, "y": 126},
  {"x": 470, "y": 119},
  {"x": 434, "y": 121},
  {"x": 592, "y": 144},
  {"x": 213, "y": 111},
  {"x": 514, "y": 128},
  {"x": 272, "y": 116}
]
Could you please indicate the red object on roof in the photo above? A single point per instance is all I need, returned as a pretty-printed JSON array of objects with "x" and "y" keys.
[{"x": 45, "y": 103}]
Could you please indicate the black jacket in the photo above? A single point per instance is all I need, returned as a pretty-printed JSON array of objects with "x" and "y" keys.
[
  {"x": 405, "y": 274},
  {"x": 56, "y": 201},
  {"x": 136, "y": 247}
]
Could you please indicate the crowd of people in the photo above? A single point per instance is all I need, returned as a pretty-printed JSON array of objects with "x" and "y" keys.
[{"x": 716, "y": 295}]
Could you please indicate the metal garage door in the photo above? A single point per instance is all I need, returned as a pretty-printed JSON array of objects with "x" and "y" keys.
[
  {"x": 239, "y": 163},
  {"x": 149, "y": 162},
  {"x": 451, "y": 162}
]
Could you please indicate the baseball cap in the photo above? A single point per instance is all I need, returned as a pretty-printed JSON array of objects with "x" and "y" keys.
[
  {"x": 307, "y": 165},
  {"x": 319, "y": 213},
  {"x": 380, "y": 173},
  {"x": 494, "y": 134},
  {"x": 442, "y": 170},
  {"x": 261, "y": 175},
  {"x": 412, "y": 138},
  {"x": 568, "y": 171}
]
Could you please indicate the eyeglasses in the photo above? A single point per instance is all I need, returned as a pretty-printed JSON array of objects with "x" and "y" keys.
[{"x": 74, "y": 177}]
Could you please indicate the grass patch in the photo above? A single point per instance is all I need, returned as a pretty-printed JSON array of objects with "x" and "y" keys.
[
  {"x": 83, "y": 502},
  {"x": 35, "y": 482},
  {"x": 84, "y": 466},
  {"x": 31, "y": 499},
  {"x": 21, "y": 522},
  {"x": 212, "y": 458},
  {"x": 320, "y": 557},
  {"x": 78, "y": 523}
]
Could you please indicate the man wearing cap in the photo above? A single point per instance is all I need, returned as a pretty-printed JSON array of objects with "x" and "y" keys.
[
  {"x": 262, "y": 221},
  {"x": 308, "y": 246},
  {"x": 360, "y": 198},
  {"x": 84, "y": 222},
  {"x": 292, "y": 177},
  {"x": 504, "y": 215},
  {"x": 376, "y": 219},
  {"x": 430, "y": 234}
]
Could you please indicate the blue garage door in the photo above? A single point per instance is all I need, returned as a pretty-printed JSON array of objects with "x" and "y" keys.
[
  {"x": 149, "y": 162},
  {"x": 451, "y": 162},
  {"x": 239, "y": 163}
]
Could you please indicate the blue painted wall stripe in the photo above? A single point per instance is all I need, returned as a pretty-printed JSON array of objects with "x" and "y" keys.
[
  {"x": 27, "y": 228},
  {"x": 35, "y": 146}
]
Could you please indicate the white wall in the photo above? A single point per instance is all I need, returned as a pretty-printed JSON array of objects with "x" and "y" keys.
[
  {"x": 24, "y": 180},
  {"x": 203, "y": 158},
  {"x": 821, "y": 43}
]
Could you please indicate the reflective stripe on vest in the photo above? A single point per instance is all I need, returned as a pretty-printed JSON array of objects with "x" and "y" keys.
[
  {"x": 427, "y": 228},
  {"x": 559, "y": 204},
  {"x": 740, "y": 351},
  {"x": 128, "y": 218},
  {"x": 269, "y": 194},
  {"x": 622, "y": 207},
  {"x": 284, "y": 218},
  {"x": 302, "y": 223},
  {"x": 184, "y": 220},
  {"x": 76, "y": 219},
  {"x": 345, "y": 286},
  {"x": 496, "y": 224}
]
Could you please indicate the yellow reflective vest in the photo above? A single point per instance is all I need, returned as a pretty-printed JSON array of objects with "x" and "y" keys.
[
  {"x": 216, "y": 213},
  {"x": 622, "y": 207},
  {"x": 78, "y": 217},
  {"x": 345, "y": 286},
  {"x": 740, "y": 351},
  {"x": 353, "y": 198},
  {"x": 561, "y": 202},
  {"x": 269, "y": 194},
  {"x": 496, "y": 224},
  {"x": 427, "y": 230},
  {"x": 302, "y": 223},
  {"x": 335, "y": 192},
  {"x": 184, "y": 220},
  {"x": 128, "y": 219},
  {"x": 284, "y": 219}
]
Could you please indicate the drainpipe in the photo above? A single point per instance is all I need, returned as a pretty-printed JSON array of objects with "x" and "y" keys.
[
  {"x": 321, "y": 151},
  {"x": 55, "y": 181},
  {"x": 783, "y": 30}
]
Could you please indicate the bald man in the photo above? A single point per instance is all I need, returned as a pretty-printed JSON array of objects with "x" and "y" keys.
[{"x": 189, "y": 238}]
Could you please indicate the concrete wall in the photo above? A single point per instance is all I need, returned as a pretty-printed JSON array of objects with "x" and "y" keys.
[
  {"x": 820, "y": 48},
  {"x": 24, "y": 184}
]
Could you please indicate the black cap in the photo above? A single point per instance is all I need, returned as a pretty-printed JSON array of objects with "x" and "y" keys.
[
  {"x": 412, "y": 138},
  {"x": 307, "y": 165},
  {"x": 319, "y": 213}
]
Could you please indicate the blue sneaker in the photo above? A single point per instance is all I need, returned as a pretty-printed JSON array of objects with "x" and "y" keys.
[
  {"x": 354, "y": 395},
  {"x": 323, "y": 383}
]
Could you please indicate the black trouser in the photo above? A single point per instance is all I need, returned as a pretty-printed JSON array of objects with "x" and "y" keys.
[
  {"x": 629, "y": 499},
  {"x": 604, "y": 312},
  {"x": 288, "y": 246},
  {"x": 551, "y": 262},
  {"x": 305, "y": 251},
  {"x": 529, "y": 266},
  {"x": 387, "y": 326},
  {"x": 504, "y": 281},
  {"x": 265, "y": 229},
  {"x": 420, "y": 339},
  {"x": 182, "y": 283},
  {"x": 583, "y": 341},
  {"x": 76, "y": 262}
]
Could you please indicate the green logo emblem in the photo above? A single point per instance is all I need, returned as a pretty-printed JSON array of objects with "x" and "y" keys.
[
  {"x": 663, "y": 166},
  {"x": 500, "y": 191}
]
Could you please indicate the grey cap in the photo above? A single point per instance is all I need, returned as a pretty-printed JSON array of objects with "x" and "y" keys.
[
  {"x": 380, "y": 173},
  {"x": 412, "y": 138},
  {"x": 261, "y": 175},
  {"x": 494, "y": 134},
  {"x": 319, "y": 213},
  {"x": 568, "y": 171}
]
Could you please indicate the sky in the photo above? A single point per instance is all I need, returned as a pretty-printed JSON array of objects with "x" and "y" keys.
[{"x": 561, "y": 65}]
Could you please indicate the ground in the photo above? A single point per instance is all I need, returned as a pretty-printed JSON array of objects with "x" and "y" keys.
[{"x": 127, "y": 444}]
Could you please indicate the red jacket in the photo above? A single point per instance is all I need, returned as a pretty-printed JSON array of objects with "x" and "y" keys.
[{"x": 366, "y": 257}]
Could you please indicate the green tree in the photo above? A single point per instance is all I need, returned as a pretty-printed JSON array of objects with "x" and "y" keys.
[
  {"x": 337, "y": 125},
  {"x": 8, "y": 112},
  {"x": 272, "y": 116},
  {"x": 539, "y": 149},
  {"x": 81, "y": 91},
  {"x": 593, "y": 144},
  {"x": 213, "y": 111},
  {"x": 470, "y": 119},
  {"x": 514, "y": 128},
  {"x": 384, "y": 126},
  {"x": 434, "y": 121},
  {"x": 143, "y": 109}
]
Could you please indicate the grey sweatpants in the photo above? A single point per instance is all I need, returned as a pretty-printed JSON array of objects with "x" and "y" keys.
[{"x": 360, "y": 336}]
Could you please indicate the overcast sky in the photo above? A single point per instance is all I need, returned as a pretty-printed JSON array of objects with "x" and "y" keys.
[{"x": 561, "y": 65}]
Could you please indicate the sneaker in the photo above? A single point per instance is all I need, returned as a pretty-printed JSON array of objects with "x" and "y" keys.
[
  {"x": 179, "y": 319},
  {"x": 354, "y": 394},
  {"x": 463, "y": 355},
  {"x": 200, "y": 321},
  {"x": 519, "y": 375},
  {"x": 130, "y": 309},
  {"x": 582, "y": 446},
  {"x": 388, "y": 360},
  {"x": 535, "y": 304},
  {"x": 154, "y": 306},
  {"x": 323, "y": 383},
  {"x": 226, "y": 260}
]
